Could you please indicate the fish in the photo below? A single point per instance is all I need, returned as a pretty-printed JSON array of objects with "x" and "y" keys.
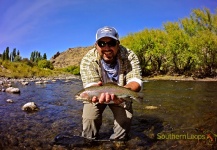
[{"x": 88, "y": 93}]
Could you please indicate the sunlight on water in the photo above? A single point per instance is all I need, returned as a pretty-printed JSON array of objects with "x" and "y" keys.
[{"x": 174, "y": 114}]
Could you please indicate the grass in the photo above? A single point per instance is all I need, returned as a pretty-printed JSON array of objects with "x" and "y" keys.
[{"x": 23, "y": 70}]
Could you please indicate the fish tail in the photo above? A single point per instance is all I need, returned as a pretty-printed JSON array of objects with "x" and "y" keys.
[{"x": 140, "y": 97}]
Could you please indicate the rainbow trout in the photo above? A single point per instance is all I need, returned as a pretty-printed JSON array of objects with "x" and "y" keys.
[{"x": 121, "y": 92}]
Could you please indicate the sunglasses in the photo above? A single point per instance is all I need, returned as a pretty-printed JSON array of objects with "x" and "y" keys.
[{"x": 111, "y": 43}]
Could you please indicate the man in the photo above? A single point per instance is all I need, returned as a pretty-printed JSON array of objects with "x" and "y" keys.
[{"x": 109, "y": 62}]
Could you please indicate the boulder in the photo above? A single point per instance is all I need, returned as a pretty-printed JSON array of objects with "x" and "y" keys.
[
  {"x": 30, "y": 107},
  {"x": 13, "y": 90}
]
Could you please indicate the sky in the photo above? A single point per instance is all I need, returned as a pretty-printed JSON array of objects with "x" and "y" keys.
[{"x": 51, "y": 26}]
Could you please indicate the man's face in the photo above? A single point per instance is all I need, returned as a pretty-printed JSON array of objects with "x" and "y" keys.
[{"x": 107, "y": 48}]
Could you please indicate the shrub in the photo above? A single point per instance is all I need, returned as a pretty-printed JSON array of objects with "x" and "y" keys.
[
  {"x": 45, "y": 64},
  {"x": 73, "y": 70}
]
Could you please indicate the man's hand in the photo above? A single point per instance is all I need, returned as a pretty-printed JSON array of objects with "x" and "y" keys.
[
  {"x": 106, "y": 97},
  {"x": 134, "y": 86}
]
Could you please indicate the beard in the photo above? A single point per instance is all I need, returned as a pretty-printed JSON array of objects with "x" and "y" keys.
[{"x": 108, "y": 56}]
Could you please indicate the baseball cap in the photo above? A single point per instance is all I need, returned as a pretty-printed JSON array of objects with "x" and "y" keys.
[{"x": 107, "y": 32}]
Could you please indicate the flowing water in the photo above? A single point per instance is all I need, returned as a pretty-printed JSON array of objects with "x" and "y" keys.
[{"x": 174, "y": 115}]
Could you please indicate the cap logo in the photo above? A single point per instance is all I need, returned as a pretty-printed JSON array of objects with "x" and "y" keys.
[{"x": 106, "y": 30}]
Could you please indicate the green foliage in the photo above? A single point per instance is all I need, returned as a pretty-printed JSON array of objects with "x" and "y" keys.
[
  {"x": 27, "y": 62},
  {"x": 188, "y": 46},
  {"x": 73, "y": 70},
  {"x": 17, "y": 58},
  {"x": 44, "y": 56},
  {"x": 178, "y": 48},
  {"x": 185, "y": 47},
  {"x": 36, "y": 56},
  {"x": 45, "y": 64},
  {"x": 23, "y": 70}
]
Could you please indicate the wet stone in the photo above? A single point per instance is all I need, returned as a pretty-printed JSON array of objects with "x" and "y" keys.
[
  {"x": 30, "y": 107},
  {"x": 9, "y": 101}
]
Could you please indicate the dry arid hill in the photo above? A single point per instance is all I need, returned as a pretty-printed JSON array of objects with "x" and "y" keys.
[{"x": 70, "y": 57}]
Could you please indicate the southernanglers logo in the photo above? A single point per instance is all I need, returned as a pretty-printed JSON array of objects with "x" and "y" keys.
[{"x": 205, "y": 135}]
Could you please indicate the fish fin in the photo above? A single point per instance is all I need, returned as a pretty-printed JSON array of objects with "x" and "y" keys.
[
  {"x": 128, "y": 98},
  {"x": 140, "y": 95},
  {"x": 139, "y": 98}
]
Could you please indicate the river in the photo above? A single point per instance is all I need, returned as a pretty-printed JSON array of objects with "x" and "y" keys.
[{"x": 173, "y": 115}]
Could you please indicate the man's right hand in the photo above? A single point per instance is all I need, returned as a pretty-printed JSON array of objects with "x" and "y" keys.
[{"x": 106, "y": 97}]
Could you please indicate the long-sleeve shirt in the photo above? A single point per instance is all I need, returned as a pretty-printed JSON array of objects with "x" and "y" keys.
[{"x": 92, "y": 72}]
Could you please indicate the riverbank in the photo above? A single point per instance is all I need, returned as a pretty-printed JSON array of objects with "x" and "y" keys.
[
  {"x": 70, "y": 76},
  {"x": 179, "y": 78}
]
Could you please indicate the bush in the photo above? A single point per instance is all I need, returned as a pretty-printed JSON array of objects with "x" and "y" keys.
[
  {"x": 45, "y": 64},
  {"x": 27, "y": 62},
  {"x": 73, "y": 69}
]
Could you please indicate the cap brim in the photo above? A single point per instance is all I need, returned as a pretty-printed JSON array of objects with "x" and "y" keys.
[{"x": 106, "y": 36}]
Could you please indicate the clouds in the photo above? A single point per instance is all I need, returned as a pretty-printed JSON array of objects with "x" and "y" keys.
[
  {"x": 19, "y": 19},
  {"x": 55, "y": 25},
  {"x": 22, "y": 18}
]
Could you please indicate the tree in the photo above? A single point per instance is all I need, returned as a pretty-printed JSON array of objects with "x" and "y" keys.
[
  {"x": 18, "y": 52},
  {"x": 17, "y": 58},
  {"x": 14, "y": 54},
  {"x": 32, "y": 57},
  {"x": 7, "y": 53},
  {"x": 204, "y": 43},
  {"x": 4, "y": 56},
  {"x": 36, "y": 56},
  {"x": 204, "y": 19},
  {"x": 136, "y": 42},
  {"x": 178, "y": 48},
  {"x": 45, "y": 56}
]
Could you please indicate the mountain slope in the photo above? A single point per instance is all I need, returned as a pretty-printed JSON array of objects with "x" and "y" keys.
[{"x": 70, "y": 57}]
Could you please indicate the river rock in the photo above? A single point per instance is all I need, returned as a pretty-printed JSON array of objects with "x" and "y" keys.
[
  {"x": 24, "y": 83},
  {"x": 45, "y": 81},
  {"x": 151, "y": 107},
  {"x": 30, "y": 107},
  {"x": 39, "y": 82},
  {"x": 9, "y": 85},
  {"x": 9, "y": 101},
  {"x": 13, "y": 90}
]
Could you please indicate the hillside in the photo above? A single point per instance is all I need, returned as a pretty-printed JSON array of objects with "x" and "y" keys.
[{"x": 70, "y": 57}]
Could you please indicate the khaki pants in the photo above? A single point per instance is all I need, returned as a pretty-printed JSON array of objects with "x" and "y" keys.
[{"x": 92, "y": 120}]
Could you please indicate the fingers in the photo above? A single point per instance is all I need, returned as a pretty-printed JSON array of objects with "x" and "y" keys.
[
  {"x": 104, "y": 98},
  {"x": 107, "y": 97},
  {"x": 117, "y": 100},
  {"x": 112, "y": 96},
  {"x": 94, "y": 99}
]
